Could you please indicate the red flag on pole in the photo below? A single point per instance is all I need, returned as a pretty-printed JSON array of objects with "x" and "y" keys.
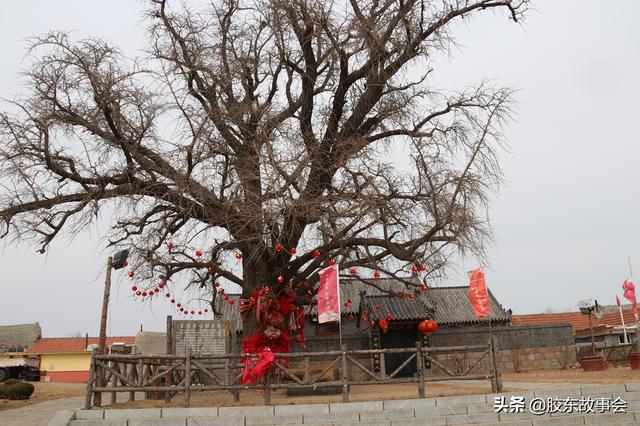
[
  {"x": 478, "y": 294},
  {"x": 630, "y": 295},
  {"x": 329, "y": 295},
  {"x": 617, "y": 300}
]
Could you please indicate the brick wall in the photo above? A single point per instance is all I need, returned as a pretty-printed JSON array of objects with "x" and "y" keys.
[{"x": 204, "y": 337}]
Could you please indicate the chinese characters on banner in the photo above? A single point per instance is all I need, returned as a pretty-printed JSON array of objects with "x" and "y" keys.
[
  {"x": 478, "y": 294},
  {"x": 329, "y": 295}
]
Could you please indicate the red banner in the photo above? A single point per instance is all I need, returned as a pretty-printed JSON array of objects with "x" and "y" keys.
[
  {"x": 630, "y": 295},
  {"x": 329, "y": 295},
  {"x": 478, "y": 294}
]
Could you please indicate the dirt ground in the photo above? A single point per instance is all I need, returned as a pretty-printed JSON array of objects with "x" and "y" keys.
[
  {"x": 46, "y": 392},
  {"x": 611, "y": 376}
]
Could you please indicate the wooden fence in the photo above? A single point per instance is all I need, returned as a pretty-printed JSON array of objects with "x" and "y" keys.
[{"x": 163, "y": 376}]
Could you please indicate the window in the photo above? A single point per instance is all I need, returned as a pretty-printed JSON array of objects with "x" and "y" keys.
[
  {"x": 621, "y": 339},
  {"x": 328, "y": 329}
]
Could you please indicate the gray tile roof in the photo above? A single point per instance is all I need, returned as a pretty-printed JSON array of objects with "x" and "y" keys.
[
  {"x": 453, "y": 307},
  {"x": 19, "y": 335},
  {"x": 400, "y": 308},
  {"x": 450, "y": 305}
]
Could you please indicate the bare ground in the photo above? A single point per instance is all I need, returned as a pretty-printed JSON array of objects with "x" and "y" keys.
[
  {"x": 611, "y": 376},
  {"x": 46, "y": 392}
]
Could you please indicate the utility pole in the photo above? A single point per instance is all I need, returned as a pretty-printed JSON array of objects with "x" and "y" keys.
[{"x": 102, "y": 338}]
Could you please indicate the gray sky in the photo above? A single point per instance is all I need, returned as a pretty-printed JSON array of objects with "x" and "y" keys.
[{"x": 564, "y": 221}]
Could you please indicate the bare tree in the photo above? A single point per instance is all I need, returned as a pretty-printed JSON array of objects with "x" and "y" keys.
[{"x": 256, "y": 125}]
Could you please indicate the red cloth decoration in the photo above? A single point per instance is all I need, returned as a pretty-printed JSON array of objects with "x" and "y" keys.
[
  {"x": 478, "y": 294},
  {"x": 630, "y": 295}
]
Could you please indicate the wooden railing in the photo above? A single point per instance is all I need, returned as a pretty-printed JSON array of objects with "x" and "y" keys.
[{"x": 163, "y": 376}]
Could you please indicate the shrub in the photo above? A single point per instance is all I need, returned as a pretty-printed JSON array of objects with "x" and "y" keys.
[
  {"x": 20, "y": 390},
  {"x": 7, "y": 382}
]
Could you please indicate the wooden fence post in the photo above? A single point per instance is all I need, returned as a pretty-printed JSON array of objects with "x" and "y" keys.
[
  {"x": 496, "y": 364},
  {"x": 114, "y": 382},
  {"x": 420, "y": 361},
  {"x": 345, "y": 376},
  {"x": 187, "y": 379},
  {"x": 383, "y": 367},
  {"x": 92, "y": 369},
  {"x": 267, "y": 388}
]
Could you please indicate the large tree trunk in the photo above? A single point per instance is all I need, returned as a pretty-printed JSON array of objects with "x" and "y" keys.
[{"x": 254, "y": 276}]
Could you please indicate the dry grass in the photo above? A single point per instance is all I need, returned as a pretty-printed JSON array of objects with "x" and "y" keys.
[
  {"x": 611, "y": 376},
  {"x": 46, "y": 392}
]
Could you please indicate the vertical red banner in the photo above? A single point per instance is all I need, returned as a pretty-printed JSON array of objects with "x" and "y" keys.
[
  {"x": 630, "y": 295},
  {"x": 478, "y": 294},
  {"x": 329, "y": 295}
]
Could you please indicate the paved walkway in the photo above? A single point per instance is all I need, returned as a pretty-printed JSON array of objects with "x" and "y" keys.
[{"x": 41, "y": 413}]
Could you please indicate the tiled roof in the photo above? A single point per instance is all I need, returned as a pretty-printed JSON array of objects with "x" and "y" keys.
[
  {"x": 400, "y": 308},
  {"x": 452, "y": 306},
  {"x": 19, "y": 335},
  {"x": 577, "y": 320},
  {"x": 73, "y": 344}
]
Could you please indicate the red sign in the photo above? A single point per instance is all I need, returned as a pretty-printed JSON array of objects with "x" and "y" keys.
[
  {"x": 478, "y": 294},
  {"x": 329, "y": 295},
  {"x": 630, "y": 295}
]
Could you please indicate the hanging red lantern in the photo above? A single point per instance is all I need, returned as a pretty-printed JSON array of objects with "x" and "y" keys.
[
  {"x": 414, "y": 269},
  {"x": 332, "y": 262},
  {"x": 376, "y": 275},
  {"x": 384, "y": 325},
  {"x": 316, "y": 253},
  {"x": 427, "y": 326},
  {"x": 265, "y": 290},
  {"x": 156, "y": 290},
  {"x": 178, "y": 305},
  {"x": 193, "y": 312},
  {"x": 231, "y": 302},
  {"x": 216, "y": 284},
  {"x": 226, "y": 297},
  {"x": 181, "y": 309},
  {"x": 423, "y": 287},
  {"x": 161, "y": 285},
  {"x": 169, "y": 245},
  {"x": 389, "y": 316},
  {"x": 198, "y": 253},
  {"x": 131, "y": 274},
  {"x": 349, "y": 301},
  {"x": 280, "y": 279},
  {"x": 353, "y": 271},
  {"x": 346, "y": 305},
  {"x": 238, "y": 255},
  {"x": 421, "y": 267},
  {"x": 199, "y": 312},
  {"x": 168, "y": 295},
  {"x": 206, "y": 310},
  {"x": 138, "y": 293},
  {"x": 412, "y": 296},
  {"x": 134, "y": 288},
  {"x": 279, "y": 248},
  {"x": 125, "y": 264},
  {"x": 144, "y": 294},
  {"x": 173, "y": 300},
  {"x": 293, "y": 250}
]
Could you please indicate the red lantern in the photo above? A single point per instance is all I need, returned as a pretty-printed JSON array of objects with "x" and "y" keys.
[
  {"x": 161, "y": 285},
  {"x": 168, "y": 295},
  {"x": 178, "y": 305},
  {"x": 217, "y": 284},
  {"x": 349, "y": 301},
  {"x": 134, "y": 288},
  {"x": 423, "y": 287},
  {"x": 226, "y": 297},
  {"x": 173, "y": 300},
  {"x": 125, "y": 264},
  {"x": 316, "y": 253},
  {"x": 138, "y": 293},
  {"x": 293, "y": 250},
  {"x": 131, "y": 274},
  {"x": 346, "y": 305},
  {"x": 193, "y": 312},
  {"x": 198, "y": 253},
  {"x": 412, "y": 296},
  {"x": 389, "y": 316},
  {"x": 169, "y": 245},
  {"x": 279, "y": 248},
  {"x": 427, "y": 326},
  {"x": 414, "y": 269},
  {"x": 280, "y": 279},
  {"x": 199, "y": 312},
  {"x": 231, "y": 302},
  {"x": 384, "y": 325},
  {"x": 376, "y": 275},
  {"x": 144, "y": 294},
  {"x": 332, "y": 262},
  {"x": 238, "y": 255},
  {"x": 181, "y": 309},
  {"x": 156, "y": 290},
  {"x": 421, "y": 267},
  {"x": 353, "y": 271},
  {"x": 206, "y": 310}
]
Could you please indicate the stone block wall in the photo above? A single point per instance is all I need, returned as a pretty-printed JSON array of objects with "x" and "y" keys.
[{"x": 204, "y": 337}]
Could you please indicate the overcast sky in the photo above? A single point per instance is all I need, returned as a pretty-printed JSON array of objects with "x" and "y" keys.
[{"x": 564, "y": 222}]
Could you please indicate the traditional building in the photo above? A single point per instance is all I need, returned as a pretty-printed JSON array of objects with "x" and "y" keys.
[{"x": 68, "y": 359}]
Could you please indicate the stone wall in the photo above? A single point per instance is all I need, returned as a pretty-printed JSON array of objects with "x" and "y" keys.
[
  {"x": 151, "y": 343},
  {"x": 520, "y": 348},
  {"x": 204, "y": 337}
]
